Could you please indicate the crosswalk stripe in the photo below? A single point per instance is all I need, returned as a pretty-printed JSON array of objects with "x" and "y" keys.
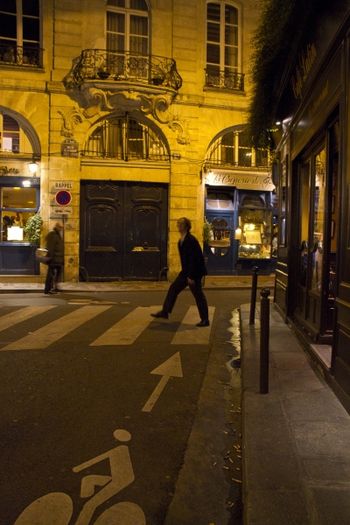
[
  {"x": 11, "y": 319},
  {"x": 128, "y": 329},
  {"x": 52, "y": 332},
  {"x": 188, "y": 333}
]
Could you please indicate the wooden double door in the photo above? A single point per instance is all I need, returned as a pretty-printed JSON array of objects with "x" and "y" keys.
[{"x": 123, "y": 230}]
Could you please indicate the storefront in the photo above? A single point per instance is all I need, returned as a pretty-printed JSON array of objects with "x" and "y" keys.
[
  {"x": 240, "y": 229},
  {"x": 313, "y": 276},
  {"x": 20, "y": 197},
  {"x": 19, "y": 194}
]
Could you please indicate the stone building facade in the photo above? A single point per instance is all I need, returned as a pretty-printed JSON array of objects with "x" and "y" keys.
[{"x": 118, "y": 104}]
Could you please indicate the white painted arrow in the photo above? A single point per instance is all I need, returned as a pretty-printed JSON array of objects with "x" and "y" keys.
[{"x": 170, "y": 368}]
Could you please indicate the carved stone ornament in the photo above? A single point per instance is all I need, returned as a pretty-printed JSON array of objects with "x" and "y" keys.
[
  {"x": 71, "y": 118},
  {"x": 105, "y": 80},
  {"x": 179, "y": 127},
  {"x": 96, "y": 100}
]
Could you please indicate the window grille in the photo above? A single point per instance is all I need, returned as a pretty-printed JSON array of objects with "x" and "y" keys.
[
  {"x": 234, "y": 148},
  {"x": 125, "y": 139}
]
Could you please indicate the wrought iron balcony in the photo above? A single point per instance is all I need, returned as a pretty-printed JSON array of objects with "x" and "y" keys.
[
  {"x": 231, "y": 80},
  {"x": 99, "y": 64},
  {"x": 27, "y": 56}
]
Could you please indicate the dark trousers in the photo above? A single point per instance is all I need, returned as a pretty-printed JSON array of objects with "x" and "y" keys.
[
  {"x": 52, "y": 277},
  {"x": 180, "y": 284}
]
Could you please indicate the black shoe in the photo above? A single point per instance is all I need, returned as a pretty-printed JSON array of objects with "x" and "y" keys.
[
  {"x": 203, "y": 323},
  {"x": 161, "y": 315},
  {"x": 50, "y": 293}
]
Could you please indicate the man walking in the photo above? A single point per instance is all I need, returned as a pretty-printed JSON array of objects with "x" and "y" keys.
[
  {"x": 192, "y": 271},
  {"x": 55, "y": 248}
]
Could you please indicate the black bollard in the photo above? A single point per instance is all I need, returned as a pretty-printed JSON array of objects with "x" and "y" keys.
[
  {"x": 253, "y": 296},
  {"x": 264, "y": 340}
]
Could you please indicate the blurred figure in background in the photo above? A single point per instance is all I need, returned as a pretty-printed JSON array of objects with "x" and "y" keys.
[{"x": 55, "y": 248}]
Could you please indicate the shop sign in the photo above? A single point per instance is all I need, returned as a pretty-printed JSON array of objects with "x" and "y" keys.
[
  {"x": 319, "y": 104},
  {"x": 4, "y": 170},
  {"x": 302, "y": 71},
  {"x": 242, "y": 181},
  {"x": 60, "y": 211}
]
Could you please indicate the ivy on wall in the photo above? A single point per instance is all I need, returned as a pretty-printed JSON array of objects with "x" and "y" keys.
[{"x": 283, "y": 25}]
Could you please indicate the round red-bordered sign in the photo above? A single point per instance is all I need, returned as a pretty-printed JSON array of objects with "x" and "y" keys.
[{"x": 63, "y": 197}]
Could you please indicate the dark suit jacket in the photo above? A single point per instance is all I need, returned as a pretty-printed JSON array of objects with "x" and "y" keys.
[
  {"x": 55, "y": 247},
  {"x": 192, "y": 260}
]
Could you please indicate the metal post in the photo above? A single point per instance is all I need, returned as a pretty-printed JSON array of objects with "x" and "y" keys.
[
  {"x": 253, "y": 296},
  {"x": 264, "y": 340},
  {"x": 64, "y": 248}
]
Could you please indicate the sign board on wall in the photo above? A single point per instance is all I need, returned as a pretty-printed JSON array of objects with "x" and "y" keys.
[
  {"x": 240, "y": 180},
  {"x": 57, "y": 212},
  {"x": 61, "y": 205},
  {"x": 63, "y": 185}
]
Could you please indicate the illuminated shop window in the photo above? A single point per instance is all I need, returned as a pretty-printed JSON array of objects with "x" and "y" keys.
[
  {"x": 254, "y": 234},
  {"x": 17, "y": 204}
]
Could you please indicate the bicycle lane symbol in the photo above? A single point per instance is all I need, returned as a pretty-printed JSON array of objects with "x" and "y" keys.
[{"x": 56, "y": 508}]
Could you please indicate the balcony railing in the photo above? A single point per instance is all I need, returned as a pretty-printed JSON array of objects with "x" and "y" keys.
[
  {"x": 99, "y": 64},
  {"x": 224, "y": 80},
  {"x": 28, "y": 56}
]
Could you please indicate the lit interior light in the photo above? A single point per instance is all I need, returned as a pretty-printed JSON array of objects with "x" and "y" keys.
[
  {"x": 33, "y": 167},
  {"x": 286, "y": 121},
  {"x": 238, "y": 234},
  {"x": 26, "y": 183},
  {"x": 278, "y": 123}
]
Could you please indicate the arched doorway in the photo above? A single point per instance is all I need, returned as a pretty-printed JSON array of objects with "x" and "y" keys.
[{"x": 124, "y": 224}]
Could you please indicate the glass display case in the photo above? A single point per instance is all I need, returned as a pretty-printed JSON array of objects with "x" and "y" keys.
[{"x": 254, "y": 233}]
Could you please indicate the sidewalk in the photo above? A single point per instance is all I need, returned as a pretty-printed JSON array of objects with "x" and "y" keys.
[
  {"x": 296, "y": 439},
  {"x": 237, "y": 282}
]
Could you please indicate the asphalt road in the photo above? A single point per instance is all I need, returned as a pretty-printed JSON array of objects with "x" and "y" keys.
[{"x": 74, "y": 368}]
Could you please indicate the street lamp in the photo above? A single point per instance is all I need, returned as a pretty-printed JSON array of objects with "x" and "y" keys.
[{"x": 33, "y": 167}]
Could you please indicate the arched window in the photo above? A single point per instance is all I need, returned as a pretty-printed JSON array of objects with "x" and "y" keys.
[
  {"x": 127, "y": 26},
  {"x": 233, "y": 147},
  {"x": 124, "y": 138},
  {"x": 223, "y": 46},
  {"x": 12, "y": 137}
]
